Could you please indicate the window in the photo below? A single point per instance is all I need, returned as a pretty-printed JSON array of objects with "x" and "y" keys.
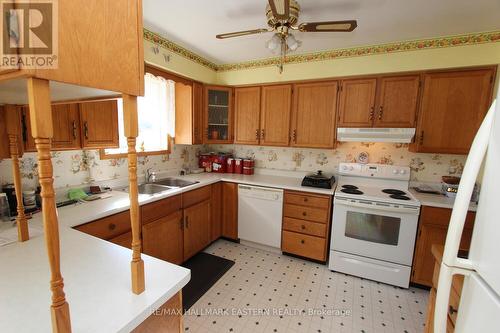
[{"x": 156, "y": 115}]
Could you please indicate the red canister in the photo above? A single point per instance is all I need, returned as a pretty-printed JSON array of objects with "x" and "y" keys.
[
  {"x": 238, "y": 165},
  {"x": 219, "y": 163},
  {"x": 248, "y": 163},
  {"x": 247, "y": 171},
  {"x": 230, "y": 165},
  {"x": 205, "y": 161}
]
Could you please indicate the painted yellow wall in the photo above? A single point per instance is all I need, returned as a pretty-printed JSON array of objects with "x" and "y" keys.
[
  {"x": 460, "y": 56},
  {"x": 178, "y": 64}
]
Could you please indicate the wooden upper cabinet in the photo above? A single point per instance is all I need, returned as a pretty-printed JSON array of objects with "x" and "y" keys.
[
  {"x": 247, "y": 115},
  {"x": 197, "y": 228},
  {"x": 218, "y": 115},
  {"x": 357, "y": 103},
  {"x": 99, "y": 124},
  {"x": 397, "y": 100},
  {"x": 162, "y": 238},
  {"x": 452, "y": 108},
  {"x": 313, "y": 115},
  {"x": 275, "y": 115},
  {"x": 188, "y": 113},
  {"x": 66, "y": 124}
]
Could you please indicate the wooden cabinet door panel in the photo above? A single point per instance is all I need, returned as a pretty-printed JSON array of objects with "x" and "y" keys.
[
  {"x": 4, "y": 139},
  {"x": 197, "y": 113},
  {"x": 313, "y": 115},
  {"x": 452, "y": 109},
  {"x": 247, "y": 115},
  {"x": 196, "y": 228},
  {"x": 216, "y": 207},
  {"x": 66, "y": 126},
  {"x": 218, "y": 114},
  {"x": 230, "y": 210},
  {"x": 357, "y": 103},
  {"x": 29, "y": 141},
  {"x": 397, "y": 101},
  {"x": 99, "y": 124},
  {"x": 163, "y": 238},
  {"x": 124, "y": 240},
  {"x": 275, "y": 115}
]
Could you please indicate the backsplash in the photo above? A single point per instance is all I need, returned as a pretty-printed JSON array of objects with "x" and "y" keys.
[
  {"x": 77, "y": 167},
  {"x": 424, "y": 167},
  {"x": 74, "y": 168}
]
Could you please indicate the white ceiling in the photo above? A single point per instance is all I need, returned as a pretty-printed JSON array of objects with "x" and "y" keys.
[{"x": 193, "y": 24}]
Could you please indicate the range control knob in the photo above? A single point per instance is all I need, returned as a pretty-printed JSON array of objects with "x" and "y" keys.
[
  {"x": 402, "y": 171},
  {"x": 351, "y": 168},
  {"x": 395, "y": 171}
]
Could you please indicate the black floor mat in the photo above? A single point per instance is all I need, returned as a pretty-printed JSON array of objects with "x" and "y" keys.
[{"x": 206, "y": 270}]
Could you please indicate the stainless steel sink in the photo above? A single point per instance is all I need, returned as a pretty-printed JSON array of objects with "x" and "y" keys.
[
  {"x": 152, "y": 188},
  {"x": 174, "y": 182}
]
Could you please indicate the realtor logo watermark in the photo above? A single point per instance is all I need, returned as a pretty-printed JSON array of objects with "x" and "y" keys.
[{"x": 29, "y": 34}]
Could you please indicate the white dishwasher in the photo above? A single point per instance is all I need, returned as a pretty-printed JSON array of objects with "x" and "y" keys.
[{"x": 260, "y": 211}]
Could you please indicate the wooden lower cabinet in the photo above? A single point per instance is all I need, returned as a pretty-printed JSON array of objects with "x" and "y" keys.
[
  {"x": 230, "y": 210},
  {"x": 168, "y": 318},
  {"x": 216, "y": 212},
  {"x": 433, "y": 227},
  {"x": 196, "y": 228},
  {"x": 108, "y": 227},
  {"x": 306, "y": 224},
  {"x": 163, "y": 238}
]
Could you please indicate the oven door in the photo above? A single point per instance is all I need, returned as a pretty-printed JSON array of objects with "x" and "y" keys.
[{"x": 374, "y": 230}]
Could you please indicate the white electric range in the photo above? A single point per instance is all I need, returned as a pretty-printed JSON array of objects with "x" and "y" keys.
[{"x": 375, "y": 222}]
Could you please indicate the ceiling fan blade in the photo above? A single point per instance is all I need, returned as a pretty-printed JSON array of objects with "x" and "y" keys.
[
  {"x": 329, "y": 26},
  {"x": 241, "y": 33},
  {"x": 280, "y": 9}
]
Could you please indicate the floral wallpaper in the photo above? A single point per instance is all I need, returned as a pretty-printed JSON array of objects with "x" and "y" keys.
[
  {"x": 78, "y": 167},
  {"x": 424, "y": 167}
]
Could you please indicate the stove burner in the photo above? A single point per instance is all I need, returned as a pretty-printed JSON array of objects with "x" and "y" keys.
[
  {"x": 393, "y": 191},
  {"x": 351, "y": 191},
  {"x": 399, "y": 197},
  {"x": 350, "y": 187}
]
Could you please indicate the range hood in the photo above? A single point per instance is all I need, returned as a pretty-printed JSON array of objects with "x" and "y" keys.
[{"x": 399, "y": 135}]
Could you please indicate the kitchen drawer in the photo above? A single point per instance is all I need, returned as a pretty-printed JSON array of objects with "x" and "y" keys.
[
  {"x": 158, "y": 209},
  {"x": 195, "y": 196},
  {"x": 304, "y": 245},
  {"x": 108, "y": 227},
  {"x": 306, "y": 213},
  {"x": 304, "y": 227},
  {"x": 297, "y": 198}
]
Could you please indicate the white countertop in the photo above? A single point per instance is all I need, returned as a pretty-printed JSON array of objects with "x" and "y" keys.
[
  {"x": 96, "y": 272},
  {"x": 438, "y": 200}
]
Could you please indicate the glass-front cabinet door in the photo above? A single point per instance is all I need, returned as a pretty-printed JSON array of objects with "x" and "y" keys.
[{"x": 218, "y": 115}]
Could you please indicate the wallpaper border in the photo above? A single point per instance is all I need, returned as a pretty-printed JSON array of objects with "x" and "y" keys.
[{"x": 404, "y": 46}]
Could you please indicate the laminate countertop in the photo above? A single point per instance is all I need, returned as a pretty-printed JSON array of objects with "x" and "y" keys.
[
  {"x": 96, "y": 272},
  {"x": 438, "y": 200}
]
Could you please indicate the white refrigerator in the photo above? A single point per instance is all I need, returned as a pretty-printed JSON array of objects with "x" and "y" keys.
[{"x": 479, "y": 308}]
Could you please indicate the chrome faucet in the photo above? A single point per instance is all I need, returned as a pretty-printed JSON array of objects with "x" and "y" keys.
[{"x": 150, "y": 175}]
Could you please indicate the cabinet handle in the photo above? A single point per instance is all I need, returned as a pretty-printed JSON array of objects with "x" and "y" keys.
[
  {"x": 303, "y": 227},
  {"x": 74, "y": 129},
  {"x": 452, "y": 310},
  {"x": 380, "y": 112},
  {"x": 294, "y": 136},
  {"x": 306, "y": 199},
  {"x": 302, "y": 241},
  {"x": 86, "y": 130},
  {"x": 112, "y": 226},
  {"x": 257, "y": 134},
  {"x": 25, "y": 129},
  {"x": 422, "y": 138},
  {"x": 304, "y": 214},
  {"x": 372, "y": 113},
  {"x": 187, "y": 222},
  {"x": 262, "y": 134}
]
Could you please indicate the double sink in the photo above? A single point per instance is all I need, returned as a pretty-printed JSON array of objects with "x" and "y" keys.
[{"x": 163, "y": 185}]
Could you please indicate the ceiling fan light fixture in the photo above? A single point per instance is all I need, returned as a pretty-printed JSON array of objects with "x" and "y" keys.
[
  {"x": 292, "y": 42},
  {"x": 273, "y": 43}
]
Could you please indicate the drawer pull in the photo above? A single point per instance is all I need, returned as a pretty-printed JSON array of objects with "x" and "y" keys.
[
  {"x": 302, "y": 241},
  {"x": 452, "y": 310},
  {"x": 304, "y": 214},
  {"x": 303, "y": 227},
  {"x": 306, "y": 199},
  {"x": 112, "y": 226}
]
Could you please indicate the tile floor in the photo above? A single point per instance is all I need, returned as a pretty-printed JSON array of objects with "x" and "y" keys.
[{"x": 268, "y": 292}]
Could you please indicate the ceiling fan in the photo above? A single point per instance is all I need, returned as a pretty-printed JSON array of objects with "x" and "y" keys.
[{"x": 282, "y": 18}]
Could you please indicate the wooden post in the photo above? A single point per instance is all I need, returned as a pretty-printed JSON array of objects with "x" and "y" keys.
[
  {"x": 13, "y": 124},
  {"x": 42, "y": 131},
  {"x": 131, "y": 130}
]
